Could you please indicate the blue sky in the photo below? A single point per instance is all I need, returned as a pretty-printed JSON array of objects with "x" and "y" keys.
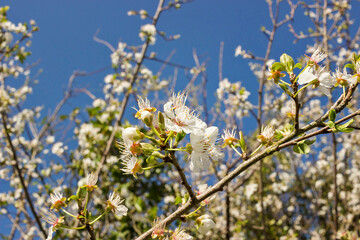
[{"x": 65, "y": 40}]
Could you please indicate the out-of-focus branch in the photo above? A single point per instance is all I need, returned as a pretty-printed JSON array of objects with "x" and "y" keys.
[
  {"x": 127, "y": 94},
  {"x": 18, "y": 171}
]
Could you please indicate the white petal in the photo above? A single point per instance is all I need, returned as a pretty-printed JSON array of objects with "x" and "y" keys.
[
  {"x": 306, "y": 77},
  {"x": 325, "y": 91},
  {"x": 212, "y": 133},
  {"x": 50, "y": 233},
  {"x": 195, "y": 164},
  {"x": 168, "y": 111},
  {"x": 121, "y": 211}
]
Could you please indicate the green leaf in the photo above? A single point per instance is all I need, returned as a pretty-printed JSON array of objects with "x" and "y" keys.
[
  {"x": 330, "y": 124},
  {"x": 345, "y": 125},
  {"x": 278, "y": 135},
  {"x": 349, "y": 65},
  {"x": 73, "y": 198},
  {"x": 332, "y": 115},
  {"x": 178, "y": 200},
  {"x": 298, "y": 65},
  {"x": 310, "y": 141},
  {"x": 180, "y": 136},
  {"x": 242, "y": 142},
  {"x": 278, "y": 67},
  {"x": 151, "y": 160},
  {"x": 161, "y": 121},
  {"x": 301, "y": 148}
]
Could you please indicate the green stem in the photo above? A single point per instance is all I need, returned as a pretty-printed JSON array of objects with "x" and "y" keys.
[
  {"x": 74, "y": 228},
  {"x": 176, "y": 149},
  {"x": 344, "y": 91},
  {"x": 152, "y": 139},
  {"x": 193, "y": 212},
  {"x": 285, "y": 83},
  {"x": 256, "y": 150},
  {"x": 69, "y": 213},
  {"x": 96, "y": 219},
  {"x": 86, "y": 203},
  {"x": 170, "y": 135},
  {"x": 303, "y": 88},
  {"x": 233, "y": 147},
  {"x": 154, "y": 166},
  {"x": 156, "y": 132}
]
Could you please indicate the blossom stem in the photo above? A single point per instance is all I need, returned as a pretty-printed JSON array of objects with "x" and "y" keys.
[
  {"x": 153, "y": 166},
  {"x": 70, "y": 214},
  {"x": 153, "y": 139},
  {"x": 176, "y": 149},
  {"x": 170, "y": 135},
  {"x": 303, "y": 88},
  {"x": 256, "y": 150},
  {"x": 74, "y": 228},
  {"x": 96, "y": 219},
  {"x": 344, "y": 91},
  {"x": 233, "y": 147},
  {"x": 190, "y": 214},
  {"x": 156, "y": 132},
  {"x": 285, "y": 83},
  {"x": 86, "y": 203}
]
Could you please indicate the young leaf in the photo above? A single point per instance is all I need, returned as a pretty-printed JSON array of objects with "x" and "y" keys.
[{"x": 332, "y": 115}]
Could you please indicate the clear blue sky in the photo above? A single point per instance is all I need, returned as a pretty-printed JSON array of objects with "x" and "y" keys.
[{"x": 65, "y": 40}]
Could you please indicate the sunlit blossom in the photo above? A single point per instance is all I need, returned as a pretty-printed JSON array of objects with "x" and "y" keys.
[
  {"x": 159, "y": 229},
  {"x": 203, "y": 147},
  {"x": 114, "y": 204},
  {"x": 144, "y": 108},
  {"x": 319, "y": 77},
  {"x": 90, "y": 182},
  {"x": 266, "y": 135},
  {"x": 130, "y": 135},
  {"x": 229, "y": 137},
  {"x": 180, "y": 234},
  {"x": 205, "y": 223},
  {"x": 57, "y": 200},
  {"x": 343, "y": 78},
  {"x": 179, "y": 118},
  {"x": 317, "y": 57},
  {"x": 51, "y": 218}
]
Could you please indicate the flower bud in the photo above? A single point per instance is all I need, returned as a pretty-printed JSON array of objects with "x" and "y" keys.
[
  {"x": 147, "y": 118},
  {"x": 130, "y": 134},
  {"x": 204, "y": 224},
  {"x": 288, "y": 62}
]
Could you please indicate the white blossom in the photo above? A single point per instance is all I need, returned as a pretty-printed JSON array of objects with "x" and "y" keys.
[
  {"x": 179, "y": 118},
  {"x": 114, "y": 204},
  {"x": 319, "y": 77},
  {"x": 203, "y": 147},
  {"x": 205, "y": 224},
  {"x": 148, "y": 31}
]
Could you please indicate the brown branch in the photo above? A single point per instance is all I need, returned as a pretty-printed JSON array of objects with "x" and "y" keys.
[
  {"x": 335, "y": 217},
  {"x": 127, "y": 94},
  {"x": 18, "y": 170},
  {"x": 184, "y": 181}
]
